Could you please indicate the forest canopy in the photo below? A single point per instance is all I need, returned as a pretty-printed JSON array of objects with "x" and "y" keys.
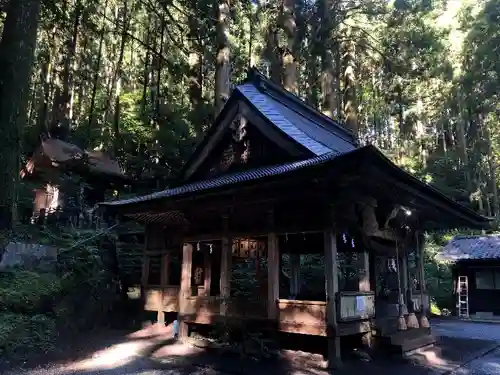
[{"x": 143, "y": 79}]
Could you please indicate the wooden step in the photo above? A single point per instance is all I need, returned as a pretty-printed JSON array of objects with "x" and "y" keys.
[
  {"x": 417, "y": 343},
  {"x": 406, "y": 341}
]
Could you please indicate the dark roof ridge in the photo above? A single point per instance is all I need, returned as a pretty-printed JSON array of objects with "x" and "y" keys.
[{"x": 265, "y": 85}]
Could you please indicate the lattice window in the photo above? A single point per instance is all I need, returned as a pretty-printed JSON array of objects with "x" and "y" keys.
[{"x": 349, "y": 270}]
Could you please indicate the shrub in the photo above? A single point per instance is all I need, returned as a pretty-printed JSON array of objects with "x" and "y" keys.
[
  {"x": 28, "y": 292},
  {"x": 21, "y": 334}
]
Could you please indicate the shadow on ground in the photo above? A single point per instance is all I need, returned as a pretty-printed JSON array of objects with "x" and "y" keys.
[{"x": 152, "y": 351}]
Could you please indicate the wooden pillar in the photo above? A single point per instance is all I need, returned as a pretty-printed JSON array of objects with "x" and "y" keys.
[
  {"x": 364, "y": 277},
  {"x": 411, "y": 318},
  {"x": 365, "y": 286},
  {"x": 273, "y": 270},
  {"x": 294, "y": 275},
  {"x": 424, "y": 322},
  {"x": 145, "y": 259},
  {"x": 164, "y": 277},
  {"x": 404, "y": 274},
  {"x": 225, "y": 267},
  {"x": 185, "y": 289},
  {"x": 207, "y": 272},
  {"x": 332, "y": 288}
]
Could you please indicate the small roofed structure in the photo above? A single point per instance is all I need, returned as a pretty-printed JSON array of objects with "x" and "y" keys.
[
  {"x": 476, "y": 274},
  {"x": 274, "y": 176},
  {"x": 55, "y": 153},
  {"x": 55, "y": 158}
]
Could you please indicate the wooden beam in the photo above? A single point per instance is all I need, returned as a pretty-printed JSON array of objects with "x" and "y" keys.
[
  {"x": 225, "y": 267},
  {"x": 218, "y": 236},
  {"x": 332, "y": 288},
  {"x": 263, "y": 191},
  {"x": 212, "y": 143},
  {"x": 185, "y": 289}
]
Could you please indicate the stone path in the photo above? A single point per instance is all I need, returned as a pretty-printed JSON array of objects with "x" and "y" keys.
[
  {"x": 486, "y": 364},
  {"x": 464, "y": 329}
]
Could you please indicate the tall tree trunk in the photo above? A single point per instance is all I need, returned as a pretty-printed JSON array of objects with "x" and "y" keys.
[
  {"x": 159, "y": 67},
  {"x": 274, "y": 55},
  {"x": 117, "y": 79},
  {"x": 330, "y": 57},
  {"x": 492, "y": 170},
  {"x": 146, "y": 74},
  {"x": 222, "y": 63},
  {"x": 16, "y": 61},
  {"x": 289, "y": 56},
  {"x": 62, "y": 127},
  {"x": 462, "y": 147},
  {"x": 312, "y": 63},
  {"x": 82, "y": 84},
  {"x": 350, "y": 105},
  {"x": 95, "y": 82},
  {"x": 195, "y": 75}
]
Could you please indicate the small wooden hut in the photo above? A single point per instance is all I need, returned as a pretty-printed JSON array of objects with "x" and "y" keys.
[
  {"x": 51, "y": 163},
  {"x": 476, "y": 275},
  {"x": 274, "y": 176}
]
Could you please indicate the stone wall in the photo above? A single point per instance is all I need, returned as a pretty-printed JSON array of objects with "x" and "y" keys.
[{"x": 28, "y": 256}]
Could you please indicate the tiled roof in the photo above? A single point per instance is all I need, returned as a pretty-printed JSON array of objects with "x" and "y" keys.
[
  {"x": 471, "y": 248},
  {"x": 287, "y": 113},
  {"x": 268, "y": 109},
  {"x": 305, "y": 129},
  {"x": 229, "y": 179},
  {"x": 299, "y": 106}
]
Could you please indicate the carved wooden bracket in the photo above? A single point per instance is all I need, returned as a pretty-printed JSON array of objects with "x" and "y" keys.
[{"x": 370, "y": 223}]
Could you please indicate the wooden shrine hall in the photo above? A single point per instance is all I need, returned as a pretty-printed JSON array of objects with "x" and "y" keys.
[{"x": 274, "y": 176}]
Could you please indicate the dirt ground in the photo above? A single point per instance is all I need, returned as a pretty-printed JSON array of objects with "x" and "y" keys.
[{"x": 152, "y": 351}]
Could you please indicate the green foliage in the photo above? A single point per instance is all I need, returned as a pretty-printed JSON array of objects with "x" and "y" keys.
[
  {"x": 20, "y": 334},
  {"x": 36, "y": 306},
  {"x": 27, "y": 292}
]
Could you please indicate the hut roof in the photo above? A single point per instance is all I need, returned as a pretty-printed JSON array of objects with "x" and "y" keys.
[
  {"x": 471, "y": 248},
  {"x": 55, "y": 153}
]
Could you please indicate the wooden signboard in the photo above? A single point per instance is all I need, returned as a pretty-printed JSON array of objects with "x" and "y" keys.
[{"x": 248, "y": 248}]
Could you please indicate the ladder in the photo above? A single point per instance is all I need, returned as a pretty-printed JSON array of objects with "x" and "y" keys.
[{"x": 463, "y": 297}]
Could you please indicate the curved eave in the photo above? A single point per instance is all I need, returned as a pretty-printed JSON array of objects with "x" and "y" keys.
[
  {"x": 462, "y": 216},
  {"x": 471, "y": 219}
]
